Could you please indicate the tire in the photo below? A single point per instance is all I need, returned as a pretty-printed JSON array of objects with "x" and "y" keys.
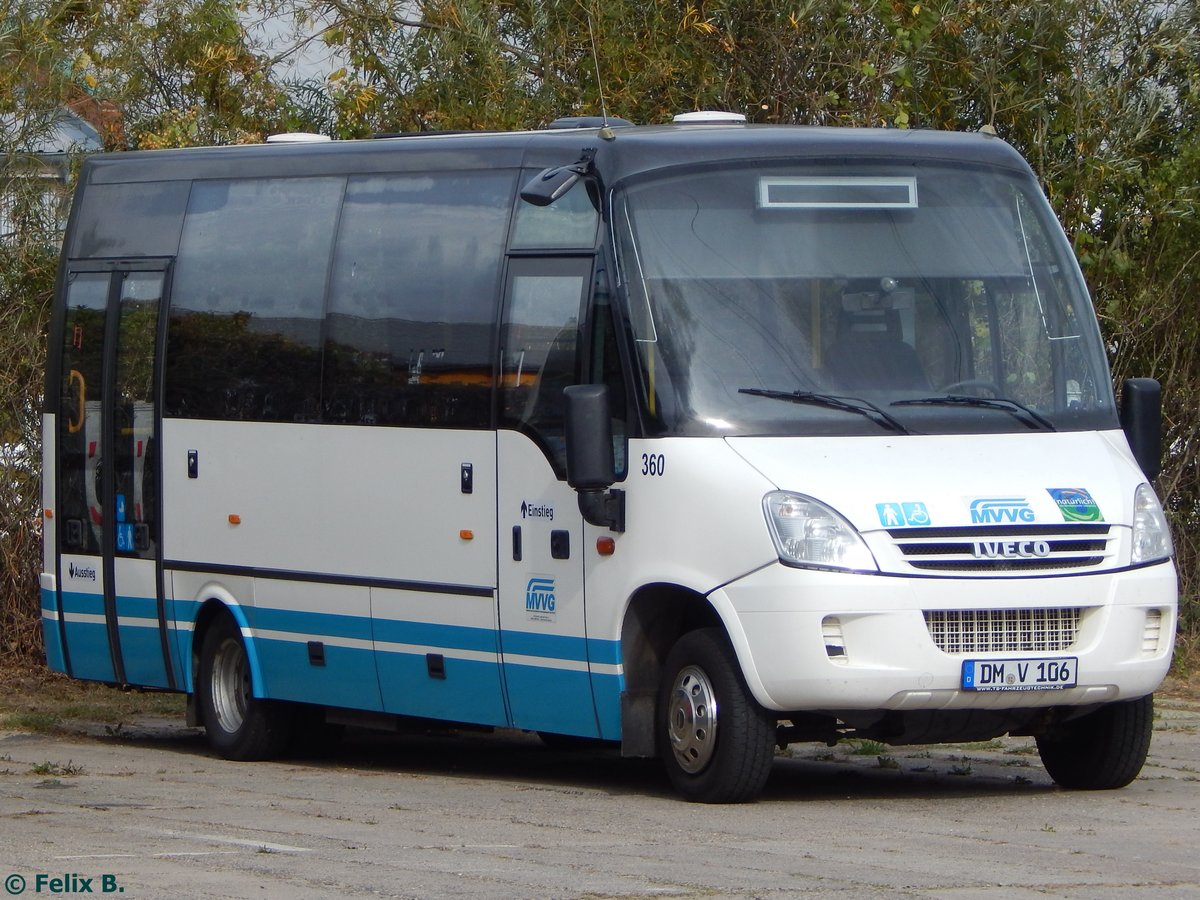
[
  {"x": 716, "y": 741},
  {"x": 237, "y": 725},
  {"x": 1103, "y": 750}
]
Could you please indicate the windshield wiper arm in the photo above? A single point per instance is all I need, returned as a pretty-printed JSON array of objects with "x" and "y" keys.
[
  {"x": 1030, "y": 417},
  {"x": 849, "y": 404}
]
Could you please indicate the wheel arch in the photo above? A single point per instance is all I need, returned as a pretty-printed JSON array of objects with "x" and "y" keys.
[
  {"x": 220, "y": 604},
  {"x": 656, "y": 616}
]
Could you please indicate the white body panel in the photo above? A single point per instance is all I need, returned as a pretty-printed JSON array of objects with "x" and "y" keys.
[
  {"x": 891, "y": 661},
  {"x": 947, "y": 473},
  {"x": 300, "y": 490},
  {"x": 700, "y": 524}
]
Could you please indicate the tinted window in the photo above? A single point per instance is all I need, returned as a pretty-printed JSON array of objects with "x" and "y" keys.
[
  {"x": 129, "y": 220},
  {"x": 570, "y": 221},
  {"x": 244, "y": 337},
  {"x": 606, "y": 368},
  {"x": 79, "y": 423},
  {"x": 412, "y": 299},
  {"x": 540, "y": 345},
  {"x": 134, "y": 437}
]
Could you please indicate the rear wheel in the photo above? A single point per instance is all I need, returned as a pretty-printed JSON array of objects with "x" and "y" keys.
[
  {"x": 1102, "y": 750},
  {"x": 238, "y": 725},
  {"x": 717, "y": 742}
]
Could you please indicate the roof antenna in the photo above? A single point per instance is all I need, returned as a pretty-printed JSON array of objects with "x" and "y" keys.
[{"x": 606, "y": 132}]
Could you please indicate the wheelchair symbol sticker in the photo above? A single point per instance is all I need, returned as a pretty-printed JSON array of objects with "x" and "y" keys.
[{"x": 896, "y": 515}]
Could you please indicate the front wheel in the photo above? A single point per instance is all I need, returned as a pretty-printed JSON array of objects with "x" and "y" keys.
[
  {"x": 238, "y": 725},
  {"x": 717, "y": 742},
  {"x": 1101, "y": 751}
]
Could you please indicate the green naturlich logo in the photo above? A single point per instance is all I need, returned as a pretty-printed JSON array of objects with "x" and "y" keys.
[{"x": 1076, "y": 504}]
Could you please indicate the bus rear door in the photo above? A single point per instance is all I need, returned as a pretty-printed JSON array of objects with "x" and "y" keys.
[{"x": 110, "y": 598}]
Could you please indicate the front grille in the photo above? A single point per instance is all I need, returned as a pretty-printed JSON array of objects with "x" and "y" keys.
[
  {"x": 964, "y": 631},
  {"x": 999, "y": 549}
]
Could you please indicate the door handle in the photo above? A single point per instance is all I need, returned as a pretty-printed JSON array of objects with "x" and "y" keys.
[{"x": 73, "y": 425}]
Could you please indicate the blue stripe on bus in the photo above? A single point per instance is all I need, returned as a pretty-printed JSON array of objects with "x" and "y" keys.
[
  {"x": 137, "y": 608},
  {"x": 183, "y": 610},
  {"x": 421, "y": 634},
  {"x": 313, "y": 624},
  {"x": 347, "y": 678},
  {"x": 548, "y": 646},
  {"x": 604, "y": 652},
  {"x": 89, "y": 604},
  {"x": 470, "y": 691},
  {"x": 141, "y": 643},
  {"x": 434, "y": 635},
  {"x": 606, "y": 692},
  {"x": 52, "y": 633},
  {"x": 395, "y": 681},
  {"x": 141, "y": 652},
  {"x": 91, "y": 658},
  {"x": 555, "y": 700},
  {"x": 87, "y": 642}
]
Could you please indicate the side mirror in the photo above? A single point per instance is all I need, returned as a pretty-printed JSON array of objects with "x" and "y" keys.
[
  {"x": 590, "y": 455},
  {"x": 589, "y": 437},
  {"x": 550, "y": 184},
  {"x": 1141, "y": 420}
]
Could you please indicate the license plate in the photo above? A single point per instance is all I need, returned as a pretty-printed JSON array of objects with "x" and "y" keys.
[{"x": 1020, "y": 674}]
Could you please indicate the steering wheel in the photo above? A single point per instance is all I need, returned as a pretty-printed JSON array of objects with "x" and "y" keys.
[{"x": 973, "y": 384}]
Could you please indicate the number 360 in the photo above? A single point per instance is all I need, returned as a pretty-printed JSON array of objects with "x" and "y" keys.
[{"x": 653, "y": 463}]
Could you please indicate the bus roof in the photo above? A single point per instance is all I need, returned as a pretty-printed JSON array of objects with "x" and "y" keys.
[{"x": 619, "y": 152}]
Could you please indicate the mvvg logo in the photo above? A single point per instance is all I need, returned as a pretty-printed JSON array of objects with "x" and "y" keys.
[
  {"x": 999, "y": 510},
  {"x": 539, "y": 596}
]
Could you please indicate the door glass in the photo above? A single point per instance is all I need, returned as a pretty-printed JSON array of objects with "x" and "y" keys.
[
  {"x": 606, "y": 369},
  {"x": 570, "y": 221},
  {"x": 134, "y": 414},
  {"x": 540, "y": 338},
  {"x": 79, "y": 419}
]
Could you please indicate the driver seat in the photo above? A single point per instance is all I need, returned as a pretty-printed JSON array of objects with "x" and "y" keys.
[{"x": 870, "y": 352}]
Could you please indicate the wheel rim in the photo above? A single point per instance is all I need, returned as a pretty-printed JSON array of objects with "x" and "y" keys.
[
  {"x": 692, "y": 719},
  {"x": 230, "y": 685}
]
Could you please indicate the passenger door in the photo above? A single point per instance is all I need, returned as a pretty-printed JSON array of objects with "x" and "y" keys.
[
  {"x": 543, "y": 635},
  {"x": 110, "y": 593}
]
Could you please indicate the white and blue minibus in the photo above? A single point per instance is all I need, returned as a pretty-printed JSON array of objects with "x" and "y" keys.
[{"x": 699, "y": 439}]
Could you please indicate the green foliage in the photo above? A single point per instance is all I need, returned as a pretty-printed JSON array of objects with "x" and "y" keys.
[
  {"x": 182, "y": 72},
  {"x": 35, "y": 82},
  {"x": 27, "y": 265},
  {"x": 1100, "y": 95}
]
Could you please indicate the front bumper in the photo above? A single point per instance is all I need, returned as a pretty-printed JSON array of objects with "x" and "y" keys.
[{"x": 782, "y": 620}]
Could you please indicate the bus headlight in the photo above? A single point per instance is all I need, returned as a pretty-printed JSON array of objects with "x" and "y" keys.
[
  {"x": 1151, "y": 534},
  {"x": 808, "y": 533}
]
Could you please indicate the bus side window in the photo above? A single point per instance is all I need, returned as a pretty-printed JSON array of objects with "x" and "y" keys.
[
  {"x": 248, "y": 300},
  {"x": 411, "y": 321},
  {"x": 540, "y": 340}
]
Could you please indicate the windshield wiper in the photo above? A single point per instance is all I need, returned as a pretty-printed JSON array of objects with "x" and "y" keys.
[
  {"x": 849, "y": 404},
  {"x": 1031, "y": 418}
]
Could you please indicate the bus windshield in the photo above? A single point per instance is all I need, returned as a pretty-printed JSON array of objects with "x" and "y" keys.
[{"x": 856, "y": 298}]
